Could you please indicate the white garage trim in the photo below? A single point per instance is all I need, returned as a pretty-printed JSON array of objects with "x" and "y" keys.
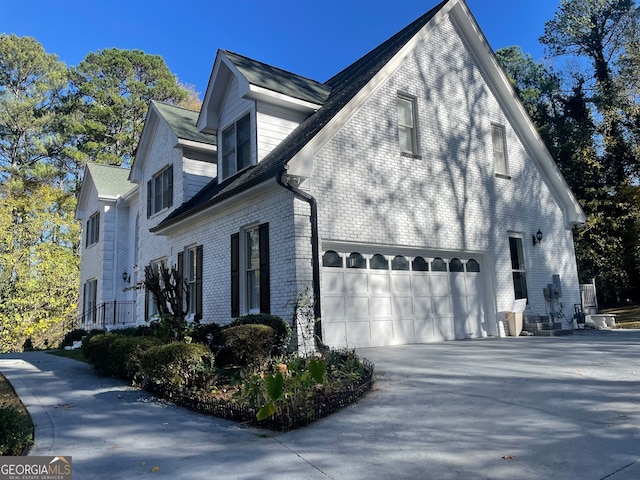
[{"x": 380, "y": 295}]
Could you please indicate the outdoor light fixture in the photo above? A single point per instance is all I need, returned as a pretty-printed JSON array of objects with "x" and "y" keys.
[
  {"x": 537, "y": 238},
  {"x": 125, "y": 277}
]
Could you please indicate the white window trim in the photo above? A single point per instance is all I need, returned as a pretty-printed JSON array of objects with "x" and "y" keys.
[
  {"x": 500, "y": 166},
  {"x": 413, "y": 128},
  {"x": 221, "y": 149},
  {"x": 191, "y": 301},
  {"x": 247, "y": 270},
  {"x": 93, "y": 229},
  {"x": 152, "y": 190}
]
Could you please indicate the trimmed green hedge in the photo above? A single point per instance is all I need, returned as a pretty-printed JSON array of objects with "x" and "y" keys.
[
  {"x": 282, "y": 330},
  {"x": 177, "y": 367},
  {"x": 249, "y": 345}
]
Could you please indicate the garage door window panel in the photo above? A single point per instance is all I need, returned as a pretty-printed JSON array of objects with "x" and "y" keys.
[
  {"x": 332, "y": 259},
  {"x": 438, "y": 265},
  {"x": 473, "y": 266},
  {"x": 419, "y": 264},
  {"x": 456, "y": 265},
  {"x": 399, "y": 263},
  {"x": 356, "y": 260},
  {"x": 379, "y": 262}
]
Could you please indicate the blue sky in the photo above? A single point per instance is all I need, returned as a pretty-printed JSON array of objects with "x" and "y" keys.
[{"x": 311, "y": 38}]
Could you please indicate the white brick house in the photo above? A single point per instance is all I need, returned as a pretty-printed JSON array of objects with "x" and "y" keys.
[{"x": 406, "y": 192}]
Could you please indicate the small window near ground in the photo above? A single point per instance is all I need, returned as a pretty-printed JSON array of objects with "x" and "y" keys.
[
  {"x": 438, "y": 265},
  {"x": 456, "y": 265},
  {"x": 356, "y": 260},
  {"x": 332, "y": 259},
  {"x": 379, "y": 262},
  {"x": 473, "y": 266},
  {"x": 399, "y": 263},
  {"x": 420, "y": 265}
]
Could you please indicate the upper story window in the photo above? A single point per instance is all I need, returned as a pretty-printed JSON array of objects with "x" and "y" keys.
[
  {"x": 499, "y": 142},
  {"x": 407, "y": 125},
  {"x": 160, "y": 191},
  {"x": 236, "y": 146},
  {"x": 93, "y": 229}
]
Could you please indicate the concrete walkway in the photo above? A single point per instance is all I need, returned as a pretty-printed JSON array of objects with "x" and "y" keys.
[{"x": 514, "y": 408}]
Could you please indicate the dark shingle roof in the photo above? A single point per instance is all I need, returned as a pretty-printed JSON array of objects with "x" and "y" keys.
[
  {"x": 278, "y": 80},
  {"x": 343, "y": 86},
  {"x": 110, "y": 181},
  {"x": 183, "y": 123}
]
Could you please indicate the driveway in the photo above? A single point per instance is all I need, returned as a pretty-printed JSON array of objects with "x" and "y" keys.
[{"x": 511, "y": 408}]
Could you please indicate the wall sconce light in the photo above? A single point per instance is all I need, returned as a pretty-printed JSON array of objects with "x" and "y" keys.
[
  {"x": 125, "y": 277},
  {"x": 537, "y": 238}
]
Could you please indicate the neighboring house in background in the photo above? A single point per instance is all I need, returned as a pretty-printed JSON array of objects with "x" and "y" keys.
[{"x": 406, "y": 192}]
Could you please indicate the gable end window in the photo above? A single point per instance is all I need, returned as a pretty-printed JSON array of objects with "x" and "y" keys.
[
  {"x": 407, "y": 137},
  {"x": 93, "y": 229},
  {"x": 250, "y": 271},
  {"x": 160, "y": 191},
  {"x": 499, "y": 143},
  {"x": 236, "y": 146}
]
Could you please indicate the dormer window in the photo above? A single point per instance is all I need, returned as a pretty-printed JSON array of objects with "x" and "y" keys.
[
  {"x": 236, "y": 146},
  {"x": 160, "y": 191}
]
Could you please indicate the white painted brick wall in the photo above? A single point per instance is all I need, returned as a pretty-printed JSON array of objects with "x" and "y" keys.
[
  {"x": 277, "y": 209},
  {"x": 450, "y": 198}
]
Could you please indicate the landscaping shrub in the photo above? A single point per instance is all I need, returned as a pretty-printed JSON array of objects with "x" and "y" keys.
[
  {"x": 73, "y": 336},
  {"x": 249, "y": 345},
  {"x": 15, "y": 431},
  {"x": 117, "y": 356},
  {"x": 126, "y": 353},
  {"x": 97, "y": 349},
  {"x": 176, "y": 368},
  {"x": 209, "y": 334},
  {"x": 282, "y": 330}
]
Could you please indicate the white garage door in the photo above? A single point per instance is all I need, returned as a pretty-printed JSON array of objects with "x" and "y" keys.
[{"x": 375, "y": 299}]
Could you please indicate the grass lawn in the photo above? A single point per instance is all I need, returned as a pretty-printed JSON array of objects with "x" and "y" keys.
[{"x": 626, "y": 317}]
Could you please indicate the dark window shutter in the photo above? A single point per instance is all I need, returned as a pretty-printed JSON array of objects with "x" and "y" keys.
[
  {"x": 235, "y": 275},
  {"x": 87, "y": 236},
  {"x": 97, "y": 227},
  {"x": 182, "y": 274},
  {"x": 146, "y": 304},
  {"x": 170, "y": 187},
  {"x": 198, "y": 315},
  {"x": 265, "y": 291},
  {"x": 148, "y": 198},
  {"x": 84, "y": 300}
]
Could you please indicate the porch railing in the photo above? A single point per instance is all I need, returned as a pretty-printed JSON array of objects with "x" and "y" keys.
[
  {"x": 589, "y": 297},
  {"x": 109, "y": 315}
]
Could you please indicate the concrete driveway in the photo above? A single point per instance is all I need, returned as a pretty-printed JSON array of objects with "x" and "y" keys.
[{"x": 514, "y": 408}]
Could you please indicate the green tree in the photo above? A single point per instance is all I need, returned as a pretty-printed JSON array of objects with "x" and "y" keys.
[
  {"x": 32, "y": 84},
  {"x": 112, "y": 90},
  {"x": 38, "y": 262},
  {"x": 601, "y": 36}
]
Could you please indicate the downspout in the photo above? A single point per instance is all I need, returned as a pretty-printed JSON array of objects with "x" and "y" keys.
[{"x": 315, "y": 245}]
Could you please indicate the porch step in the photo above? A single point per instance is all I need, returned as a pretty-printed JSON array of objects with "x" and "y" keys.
[{"x": 542, "y": 326}]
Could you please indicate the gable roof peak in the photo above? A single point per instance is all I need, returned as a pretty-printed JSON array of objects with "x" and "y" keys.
[{"x": 277, "y": 79}]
